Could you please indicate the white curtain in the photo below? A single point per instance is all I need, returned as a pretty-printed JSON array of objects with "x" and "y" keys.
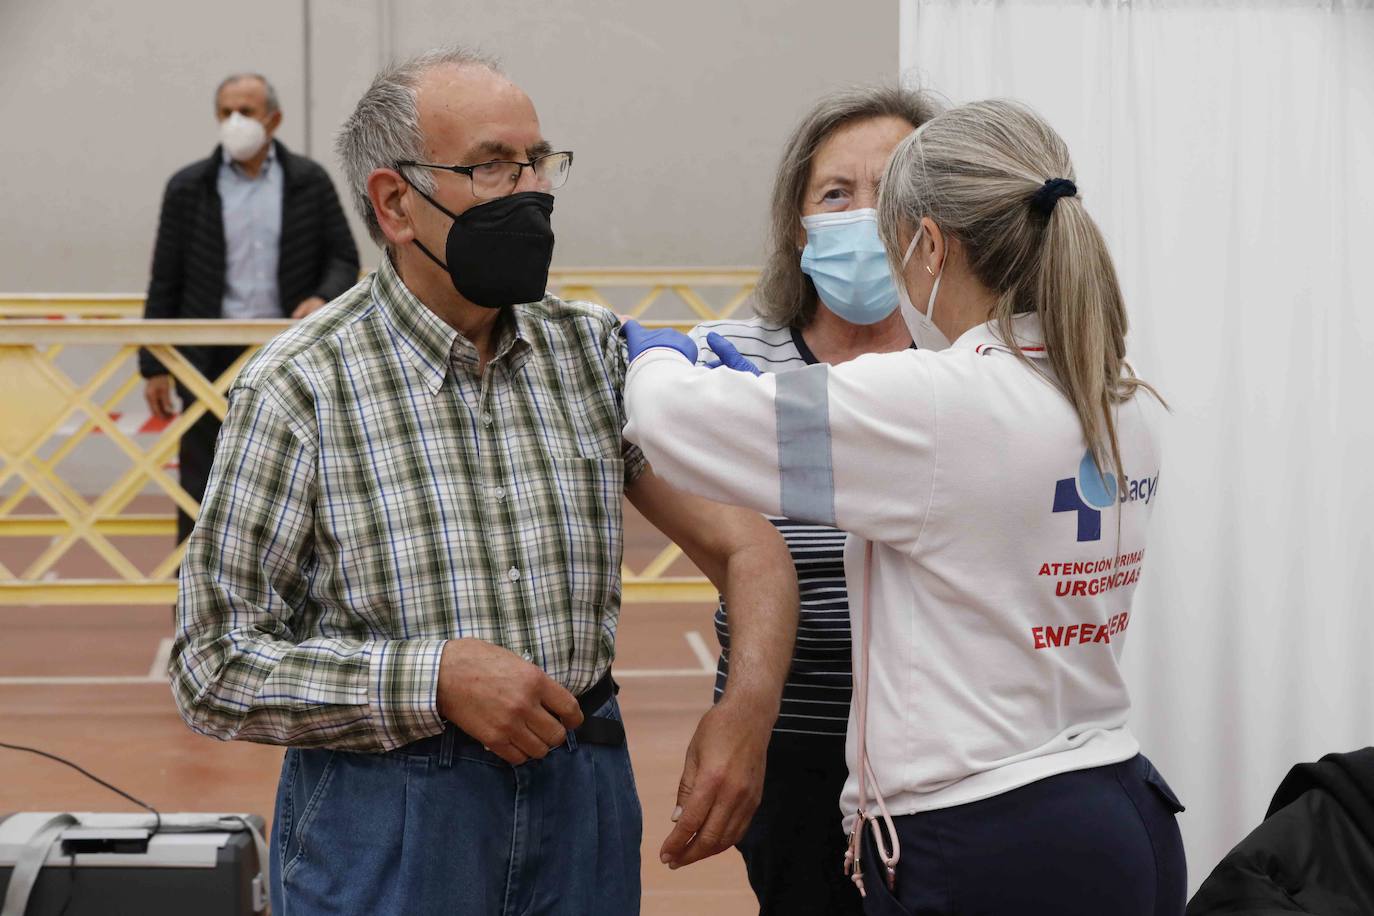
[{"x": 1227, "y": 150}]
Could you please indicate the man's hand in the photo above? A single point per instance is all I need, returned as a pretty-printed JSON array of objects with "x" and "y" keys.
[
  {"x": 158, "y": 393},
  {"x": 722, "y": 782},
  {"x": 511, "y": 706},
  {"x": 307, "y": 306}
]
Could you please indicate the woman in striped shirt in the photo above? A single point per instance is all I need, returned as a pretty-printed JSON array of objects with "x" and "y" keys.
[{"x": 826, "y": 296}]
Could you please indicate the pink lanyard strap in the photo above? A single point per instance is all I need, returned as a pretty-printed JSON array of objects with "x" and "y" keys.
[{"x": 852, "y": 865}]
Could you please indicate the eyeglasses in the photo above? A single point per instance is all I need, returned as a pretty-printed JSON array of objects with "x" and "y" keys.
[{"x": 499, "y": 177}]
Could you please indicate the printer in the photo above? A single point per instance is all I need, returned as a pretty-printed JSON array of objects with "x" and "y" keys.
[{"x": 89, "y": 864}]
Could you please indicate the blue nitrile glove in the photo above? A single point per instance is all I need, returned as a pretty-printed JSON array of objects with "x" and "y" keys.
[
  {"x": 730, "y": 358},
  {"x": 639, "y": 339}
]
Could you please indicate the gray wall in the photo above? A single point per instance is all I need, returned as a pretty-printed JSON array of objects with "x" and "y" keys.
[{"x": 676, "y": 111}]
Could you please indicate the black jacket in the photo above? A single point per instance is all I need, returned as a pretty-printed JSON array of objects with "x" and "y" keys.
[
  {"x": 317, "y": 256},
  {"x": 1313, "y": 854}
]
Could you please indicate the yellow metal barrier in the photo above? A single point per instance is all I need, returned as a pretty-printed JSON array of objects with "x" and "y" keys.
[
  {"x": 41, "y": 400},
  {"x": 658, "y": 284}
]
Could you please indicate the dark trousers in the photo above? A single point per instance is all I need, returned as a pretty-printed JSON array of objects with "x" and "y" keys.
[
  {"x": 1089, "y": 843},
  {"x": 197, "y": 449},
  {"x": 794, "y": 848}
]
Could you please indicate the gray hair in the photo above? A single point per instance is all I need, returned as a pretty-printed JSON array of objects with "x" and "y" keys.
[
  {"x": 272, "y": 103},
  {"x": 975, "y": 172},
  {"x": 385, "y": 126},
  {"x": 785, "y": 295}
]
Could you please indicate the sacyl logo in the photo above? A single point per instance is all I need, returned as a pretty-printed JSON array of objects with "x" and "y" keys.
[
  {"x": 1087, "y": 494},
  {"x": 1091, "y": 491}
]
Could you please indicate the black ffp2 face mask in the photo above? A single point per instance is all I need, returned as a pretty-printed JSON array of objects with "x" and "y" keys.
[{"x": 498, "y": 253}]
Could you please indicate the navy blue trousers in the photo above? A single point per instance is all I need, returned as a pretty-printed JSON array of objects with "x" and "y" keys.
[
  {"x": 794, "y": 848},
  {"x": 1098, "y": 842}
]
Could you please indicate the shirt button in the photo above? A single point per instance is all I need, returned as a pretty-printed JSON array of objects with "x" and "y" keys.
[
  {"x": 500, "y": 493},
  {"x": 513, "y": 574},
  {"x": 527, "y": 656},
  {"x": 486, "y": 419}
]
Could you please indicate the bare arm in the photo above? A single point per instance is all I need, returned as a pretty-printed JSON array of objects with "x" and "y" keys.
[{"x": 746, "y": 558}]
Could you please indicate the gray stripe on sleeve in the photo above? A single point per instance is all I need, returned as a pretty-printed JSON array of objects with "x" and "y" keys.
[{"x": 804, "y": 463}]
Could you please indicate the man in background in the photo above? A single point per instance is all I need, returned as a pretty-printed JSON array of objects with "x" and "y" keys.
[{"x": 254, "y": 231}]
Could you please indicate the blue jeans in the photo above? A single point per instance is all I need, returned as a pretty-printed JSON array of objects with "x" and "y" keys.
[
  {"x": 1097, "y": 842},
  {"x": 451, "y": 828}
]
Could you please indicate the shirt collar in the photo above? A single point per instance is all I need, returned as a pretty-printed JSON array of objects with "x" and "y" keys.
[
  {"x": 1025, "y": 329},
  {"x": 513, "y": 342},
  {"x": 517, "y": 340},
  {"x": 432, "y": 345},
  {"x": 230, "y": 163}
]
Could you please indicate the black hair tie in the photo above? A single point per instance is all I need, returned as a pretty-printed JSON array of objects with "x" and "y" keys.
[{"x": 1043, "y": 200}]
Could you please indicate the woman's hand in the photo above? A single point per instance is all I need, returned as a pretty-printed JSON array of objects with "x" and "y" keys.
[
  {"x": 730, "y": 358},
  {"x": 640, "y": 339}
]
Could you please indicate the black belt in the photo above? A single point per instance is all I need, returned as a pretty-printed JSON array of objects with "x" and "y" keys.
[
  {"x": 599, "y": 730},
  {"x": 593, "y": 730}
]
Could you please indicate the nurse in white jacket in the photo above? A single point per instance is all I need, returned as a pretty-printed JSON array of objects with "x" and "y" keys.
[{"x": 991, "y": 563}]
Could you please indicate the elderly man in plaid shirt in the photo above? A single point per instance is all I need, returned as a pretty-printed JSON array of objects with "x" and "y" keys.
[{"x": 407, "y": 565}]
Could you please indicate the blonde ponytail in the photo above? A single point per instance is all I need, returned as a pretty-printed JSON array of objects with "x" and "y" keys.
[{"x": 981, "y": 172}]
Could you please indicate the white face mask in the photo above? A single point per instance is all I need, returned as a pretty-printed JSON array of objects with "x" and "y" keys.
[
  {"x": 922, "y": 327},
  {"x": 242, "y": 137}
]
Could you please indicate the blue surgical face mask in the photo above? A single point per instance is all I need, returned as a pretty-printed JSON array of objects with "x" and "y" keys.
[{"x": 845, "y": 259}]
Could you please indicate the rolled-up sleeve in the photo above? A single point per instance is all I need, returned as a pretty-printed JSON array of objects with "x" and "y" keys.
[
  {"x": 618, "y": 361},
  {"x": 238, "y": 668}
]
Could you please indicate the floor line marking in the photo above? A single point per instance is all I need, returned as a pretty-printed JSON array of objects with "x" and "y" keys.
[
  {"x": 659, "y": 672},
  {"x": 708, "y": 661},
  {"x": 158, "y": 670}
]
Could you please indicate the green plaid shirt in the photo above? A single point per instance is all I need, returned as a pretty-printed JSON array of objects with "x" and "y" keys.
[{"x": 373, "y": 496}]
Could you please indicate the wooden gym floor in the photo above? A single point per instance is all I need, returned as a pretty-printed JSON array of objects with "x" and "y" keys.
[{"x": 87, "y": 683}]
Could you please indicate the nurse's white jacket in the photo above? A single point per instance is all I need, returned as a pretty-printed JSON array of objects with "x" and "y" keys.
[{"x": 1003, "y": 563}]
